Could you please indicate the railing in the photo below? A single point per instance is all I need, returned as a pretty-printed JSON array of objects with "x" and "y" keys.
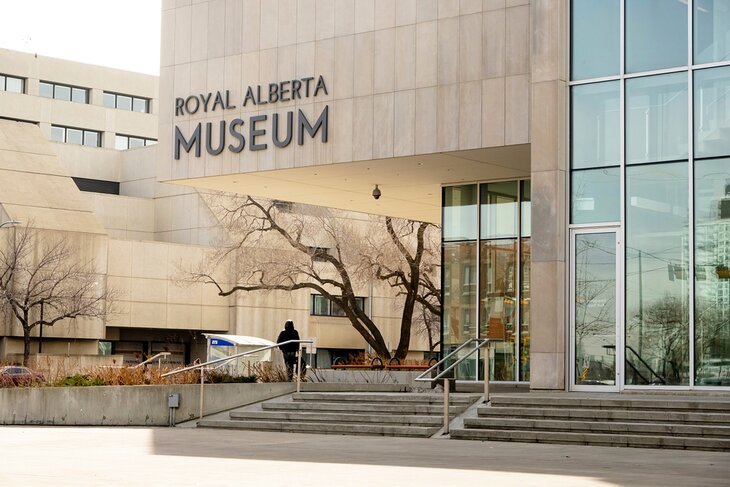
[
  {"x": 479, "y": 343},
  {"x": 157, "y": 357},
  {"x": 655, "y": 374},
  {"x": 233, "y": 357}
]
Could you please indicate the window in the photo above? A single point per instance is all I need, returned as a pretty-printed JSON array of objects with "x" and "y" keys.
[
  {"x": 58, "y": 91},
  {"x": 656, "y": 34},
  {"x": 595, "y": 38},
  {"x": 126, "y": 102},
  {"x": 321, "y": 306},
  {"x": 318, "y": 253},
  {"x": 70, "y": 135},
  {"x": 12, "y": 84},
  {"x": 124, "y": 142}
]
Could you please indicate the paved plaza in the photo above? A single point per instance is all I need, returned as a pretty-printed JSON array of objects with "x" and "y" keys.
[{"x": 81, "y": 456}]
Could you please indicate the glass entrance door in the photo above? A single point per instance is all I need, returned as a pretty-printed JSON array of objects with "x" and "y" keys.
[{"x": 594, "y": 309}]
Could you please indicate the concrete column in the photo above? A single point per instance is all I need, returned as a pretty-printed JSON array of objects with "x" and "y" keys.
[{"x": 548, "y": 130}]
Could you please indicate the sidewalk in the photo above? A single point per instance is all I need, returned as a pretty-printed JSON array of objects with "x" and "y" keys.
[{"x": 40, "y": 456}]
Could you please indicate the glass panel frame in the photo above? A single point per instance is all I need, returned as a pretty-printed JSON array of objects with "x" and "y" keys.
[
  {"x": 657, "y": 118},
  {"x": 595, "y": 344}
]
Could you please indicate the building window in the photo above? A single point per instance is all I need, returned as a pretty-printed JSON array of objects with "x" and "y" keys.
[
  {"x": 126, "y": 102},
  {"x": 12, "y": 84},
  {"x": 322, "y": 306},
  {"x": 652, "y": 127},
  {"x": 63, "y": 92},
  {"x": 124, "y": 142},
  {"x": 70, "y": 135},
  {"x": 97, "y": 186},
  {"x": 318, "y": 253}
]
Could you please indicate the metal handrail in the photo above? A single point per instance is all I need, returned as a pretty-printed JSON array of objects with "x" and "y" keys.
[
  {"x": 232, "y": 357},
  {"x": 152, "y": 359},
  {"x": 480, "y": 343},
  {"x": 661, "y": 379}
]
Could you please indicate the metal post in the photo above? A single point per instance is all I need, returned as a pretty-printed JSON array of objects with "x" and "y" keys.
[
  {"x": 486, "y": 373},
  {"x": 40, "y": 332},
  {"x": 299, "y": 367},
  {"x": 202, "y": 379},
  {"x": 446, "y": 405}
]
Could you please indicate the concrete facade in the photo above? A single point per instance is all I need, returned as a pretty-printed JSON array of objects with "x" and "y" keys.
[
  {"x": 140, "y": 236},
  {"x": 421, "y": 95}
]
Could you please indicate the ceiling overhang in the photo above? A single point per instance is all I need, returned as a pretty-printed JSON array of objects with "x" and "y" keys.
[{"x": 410, "y": 186}]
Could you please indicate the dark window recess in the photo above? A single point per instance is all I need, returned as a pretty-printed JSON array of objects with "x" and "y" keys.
[
  {"x": 19, "y": 120},
  {"x": 97, "y": 186},
  {"x": 321, "y": 306},
  {"x": 319, "y": 253}
]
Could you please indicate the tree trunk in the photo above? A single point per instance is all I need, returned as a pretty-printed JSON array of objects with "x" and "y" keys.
[{"x": 26, "y": 345}]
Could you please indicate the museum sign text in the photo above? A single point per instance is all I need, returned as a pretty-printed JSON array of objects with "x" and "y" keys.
[{"x": 259, "y": 129}]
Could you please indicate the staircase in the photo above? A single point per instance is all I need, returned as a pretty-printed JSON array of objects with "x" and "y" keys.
[
  {"x": 347, "y": 413},
  {"x": 646, "y": 421}
]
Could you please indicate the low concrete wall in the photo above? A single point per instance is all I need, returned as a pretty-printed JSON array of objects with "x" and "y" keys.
[{"x": 125, "y": 405}]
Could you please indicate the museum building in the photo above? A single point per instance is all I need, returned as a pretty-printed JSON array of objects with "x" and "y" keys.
[{"x": 576, "y": 154}]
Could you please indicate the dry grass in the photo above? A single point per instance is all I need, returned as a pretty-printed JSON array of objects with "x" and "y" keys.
[{"x": 68, "y": 373}]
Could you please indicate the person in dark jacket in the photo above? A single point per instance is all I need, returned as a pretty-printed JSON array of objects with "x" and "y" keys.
[{"x": 290, "y": 349}]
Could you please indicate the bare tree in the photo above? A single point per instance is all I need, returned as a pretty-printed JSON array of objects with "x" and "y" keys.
[
  {"x": 277, "y": 249},
  {"x": 406, "y": 257},
  {"x": 37, "y": 273}
]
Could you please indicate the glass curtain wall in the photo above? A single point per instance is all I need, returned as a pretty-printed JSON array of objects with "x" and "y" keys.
[
  {"x": 487, "y": 280},
  {"x": 650, "y": 151}
]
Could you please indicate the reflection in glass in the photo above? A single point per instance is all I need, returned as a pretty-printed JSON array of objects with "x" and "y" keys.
[
  {"x": 595, "y": 196},
  {"x": 657, "y": 287},
  {"x": 58, "y": 134},
  {"x": 110, "y": 100},
  {"x": 2, "y": 82},
  {"x": 656, "y": 34},
  {"x": 74, "y": 136},
  {"x": 124, "y": 102},
  {"x": 712, "y": 112},
  {"x": 595, "y": 125},
  {"x": 121, "y": 142},
  {"x": 139, "y": 105},
  {"x": 712, "y": 272},
  {"x": 459, "y": 289},
  {"x": 497, "y": 301},
  {"x": 525, "y": 311},
  {"x": 711, "y": 31},
  {"x": 62, "y": 92},
  {"x": 45, "y": 89},
  {"x": 594, "y": 50},
  {"x": 499, "y": 209},
  {"x": 595, "y": 309},
  {"x": 526, "y": 207},
  {"x": 460, "y": 213},
  {"x": 656, "y": 118},
  {"x": 78, "y": 95},
  {"x": 14, "y": 85},
  {"x": 91, "y": 138},
  {"x": 135, "y": 142}
]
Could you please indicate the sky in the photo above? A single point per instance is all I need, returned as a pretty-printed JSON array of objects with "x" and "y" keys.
[{"x": 123, "y": 34}]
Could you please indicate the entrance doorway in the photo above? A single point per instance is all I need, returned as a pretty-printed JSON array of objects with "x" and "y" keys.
[{"x": 596, "y": 353}]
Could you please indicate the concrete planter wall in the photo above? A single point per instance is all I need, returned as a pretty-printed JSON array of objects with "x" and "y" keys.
[{"x": 125, "y": 405}]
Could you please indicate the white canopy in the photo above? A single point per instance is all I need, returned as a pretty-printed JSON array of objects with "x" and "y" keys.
[{"x": 238, "y": 340}]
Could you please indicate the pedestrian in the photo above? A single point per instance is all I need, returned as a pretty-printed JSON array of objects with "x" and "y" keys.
[{"x": 290, "y": 349}]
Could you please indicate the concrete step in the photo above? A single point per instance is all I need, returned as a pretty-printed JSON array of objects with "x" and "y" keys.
[
  {"x": 602, "y": 439},
  {"x": 664, "y": 403},
  {"x": 682, "y": 417},
  {"x": 388, "y": 408},
  {"x": 323, "y": 428},
  {"x": 409, "y": 398},
  {"x": 612, "y": 427},
  {"x": 319, "y": 417}
]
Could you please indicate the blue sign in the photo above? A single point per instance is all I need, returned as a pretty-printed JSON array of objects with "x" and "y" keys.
[{"x": 221, "y": 343}]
